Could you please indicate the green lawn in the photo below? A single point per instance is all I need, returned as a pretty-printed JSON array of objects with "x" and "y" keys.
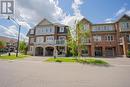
[
  {"x": 13, "y": 57},
  {"x": 81, "y": 60}
]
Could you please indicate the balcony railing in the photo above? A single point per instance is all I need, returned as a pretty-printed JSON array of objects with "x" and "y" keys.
[
  {"x": 54, "y": 42},
  {"x": 124, "y": 29}
]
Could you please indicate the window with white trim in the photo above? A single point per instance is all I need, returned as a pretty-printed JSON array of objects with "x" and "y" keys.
[
  {"x": 97, "y": 38},
  {"x": 39, "y": 39},
  {"x": 62, "y": 37},
  {"x": 109, "y": 37},
  {"x": 125, "y": 25},
  {"x": 49, "y": 38},
  {"x": 61, "y": 29},
  {"x": 31, "y": 40}
]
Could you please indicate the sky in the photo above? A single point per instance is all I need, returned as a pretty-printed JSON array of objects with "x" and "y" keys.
[{"x": 28, "y": 13}]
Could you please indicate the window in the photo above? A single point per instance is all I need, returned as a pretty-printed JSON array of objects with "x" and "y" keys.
[
  {"x": 62, "y": 37},
  {"x": 31, "y": 40},
  {"x": 125, "y": 25},
  {"x": 31, "y": 48},
  {"x": 109, "y": 37},
  {"x": 103, "y": 28},
  {"x": 31, "y": 31},
  {"x": 97, "y": 38},
  {"x": 84, "y": 51},
  {"x": 85, "y": 27},
  {"x": 49, "y": 38},
  {"x": 61, "y": 29},
  {"x": 39, "y": 39}
]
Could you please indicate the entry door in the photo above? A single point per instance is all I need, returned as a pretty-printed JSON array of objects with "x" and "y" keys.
[{"x": 98, "y": 51}]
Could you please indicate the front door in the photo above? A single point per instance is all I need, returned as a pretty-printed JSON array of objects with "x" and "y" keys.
[{"x": 98, "y": 51}]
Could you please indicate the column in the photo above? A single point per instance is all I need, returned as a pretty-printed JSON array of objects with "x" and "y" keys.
[
  {"x": 34, "y": 51},
  {"x": 103, "y": 51},
  {"x": 55, "y": 51},
  {"x": 92, "y": 50},
  {"x": 44, "y": 51},
  {"x": 65, "y": 50}
]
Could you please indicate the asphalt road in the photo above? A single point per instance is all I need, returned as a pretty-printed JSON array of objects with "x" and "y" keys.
[{"x": 28, "y": 73}]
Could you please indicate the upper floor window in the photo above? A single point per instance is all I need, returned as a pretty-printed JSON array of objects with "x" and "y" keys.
[
  {"x": 109, "y": 37},
  {"x": 97, "y": 38},
  {"x": 125, "y": 25},
  {"x": 62, "y": 37},
  {"x": 31, "y": 40},
  {"x": 103, "y": 28},
  {"x": 31, "y": 31},
  {"x": 49, "y": 38},
  {"x": 44, "y": 30},
  {"x": 61, "y": 29},
  {"x": 39, "y": 39},
  {"x": 85, "y": 27}
]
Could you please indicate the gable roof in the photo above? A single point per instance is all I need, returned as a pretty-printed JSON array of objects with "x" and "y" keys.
[
  {"x": 44, "y": 21},
  {"x": 86, "y": 20},
  {"x": 124, "y": 15}
]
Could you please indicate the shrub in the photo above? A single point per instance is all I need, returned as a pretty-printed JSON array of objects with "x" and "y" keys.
[
  {"x": 128, "y": 53},
  {"x": 58, "y": 61}
]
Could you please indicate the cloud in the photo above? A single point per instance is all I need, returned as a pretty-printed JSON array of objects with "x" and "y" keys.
[
  {"x": 71, "y": 19},
  {"x": 36, "y": 10},
  {"x": 120, "y": 11},
  {"x": 11, "y": 31},
  {"x": 123, "y": 10},
  {"x": 29, "y": 12},
  {"x": 109, "y": 20},
  {"x": 75, "y": 6}
]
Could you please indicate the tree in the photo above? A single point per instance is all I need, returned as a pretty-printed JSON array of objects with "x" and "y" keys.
[
  {"x": 23, "y": 47},
  {"x": 2, "y": 45},
  {"x": 81, "y": 35},
  {"x": 75, "y": 42}
]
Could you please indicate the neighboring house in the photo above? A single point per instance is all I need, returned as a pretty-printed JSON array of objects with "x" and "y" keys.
[
  {"x": 10, "y": 43},
  {"x": 107, "y": 39},
  {"x": 47, "y": 39}
]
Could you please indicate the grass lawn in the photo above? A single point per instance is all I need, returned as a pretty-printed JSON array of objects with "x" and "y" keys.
[
  {"x": 13, "y": 57},
  {"x": 81, "y": 60}
]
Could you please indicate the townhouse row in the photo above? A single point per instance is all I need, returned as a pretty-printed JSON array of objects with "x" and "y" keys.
[{"x": 106, "y": 39}]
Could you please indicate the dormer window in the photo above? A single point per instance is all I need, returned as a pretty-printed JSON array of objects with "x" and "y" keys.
[{"x": 61, "y": 29}]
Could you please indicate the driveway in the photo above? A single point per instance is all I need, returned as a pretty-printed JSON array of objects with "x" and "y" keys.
[{"x": 34, "y": 73}]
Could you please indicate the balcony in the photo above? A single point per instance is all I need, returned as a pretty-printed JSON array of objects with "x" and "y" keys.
[
  {"x": 54, "y": 42},
  {"x": 124, "y": 29}
]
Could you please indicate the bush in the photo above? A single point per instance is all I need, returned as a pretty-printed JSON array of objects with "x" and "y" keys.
[
  {"x": 58, "y": 61},
  {"x": 83, "y": 61},
  {"x": 128, "y": 53}
]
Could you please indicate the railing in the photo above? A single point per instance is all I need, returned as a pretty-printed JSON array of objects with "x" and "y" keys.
[
  {"x": 124, "y": 29},
  {"x": 54, "y": 42}
]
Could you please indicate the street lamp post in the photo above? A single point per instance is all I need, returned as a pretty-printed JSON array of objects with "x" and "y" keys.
[{"x": 19, "y": 26}]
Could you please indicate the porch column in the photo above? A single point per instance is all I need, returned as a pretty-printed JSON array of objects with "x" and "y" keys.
[
  {"x": 44, "y": 51},
  {"x": 55, "y": 51},
  {"x": 34, "y": 50},
  {"x": 65, "y": 50},
  {"x": 103, "y": 51},
  {"x": 92, "y": 50}
]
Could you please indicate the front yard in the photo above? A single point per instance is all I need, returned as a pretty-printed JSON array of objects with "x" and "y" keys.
[{"x": 13, "y": 57}]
